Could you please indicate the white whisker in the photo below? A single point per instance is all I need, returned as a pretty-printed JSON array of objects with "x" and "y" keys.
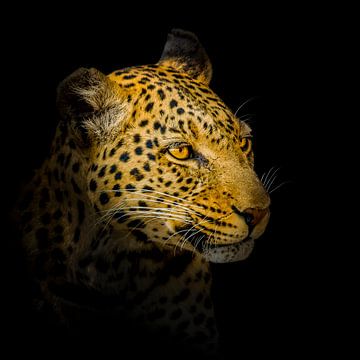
[
  {"x": 271, "y": 179},
  {"x": 279, "y": 186},
  {"x": 136, "y": 213},
  {"x": 145, "y": 208},
  {"x": 144, "y": 192},
  {"x": 186, "y": 238},
  {"x": 243, "y": 104},
  {"x": 266, "y": 176}
]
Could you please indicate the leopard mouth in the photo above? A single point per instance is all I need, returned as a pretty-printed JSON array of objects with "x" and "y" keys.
[
  {"x": 230, "y": 253},
  {"x": 222, "y": 253}
]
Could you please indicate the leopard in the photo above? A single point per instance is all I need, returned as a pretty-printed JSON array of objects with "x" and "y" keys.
[{"x": 150, "y": 179}]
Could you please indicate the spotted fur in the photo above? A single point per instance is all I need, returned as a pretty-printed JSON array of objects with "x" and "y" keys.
[{"x": 112, "y": 212}]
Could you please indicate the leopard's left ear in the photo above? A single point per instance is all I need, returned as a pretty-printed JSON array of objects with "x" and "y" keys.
[
  {"x": 93, "y": 105},
  {"x": 184, "y": 52}
]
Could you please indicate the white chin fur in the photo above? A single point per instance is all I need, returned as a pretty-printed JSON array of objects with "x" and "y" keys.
[{"x": 230, "y": 253}]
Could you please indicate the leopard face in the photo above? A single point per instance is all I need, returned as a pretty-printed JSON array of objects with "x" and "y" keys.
[
  {"x": 189, "y": 169},
  {"x": 167, "y": 157}
]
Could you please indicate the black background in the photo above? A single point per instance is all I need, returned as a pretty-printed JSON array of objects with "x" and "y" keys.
[{"x": 279, "y": 299}]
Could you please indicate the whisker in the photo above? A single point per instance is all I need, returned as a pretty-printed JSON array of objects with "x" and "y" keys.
[
  {"x": 180, "y": 241},
  {"x": 243, "y": 104},
  {"x": 271, "y": 179},
  {"x": 198, "y": 242},
  {"x": 149, "y": 213},
  {"x": 162, "y": 201},
  {"x": 110, "y": 214},
  {"x": 247, "y": 118},
  {"x": 174, "y": 234},
  {"x": 268, "y": 186},
  {"x": 185, "y": 238},
  {"x": 151, "y": 218},
  {"x": 146, "y": 208},
  {"x": 214, "y": 233},
  {"x": 144, "y": 191},
  {"x": 279, "y": 186},
  {"x": 265, "y": 176},
  {"x": 194, "y": 234},
  {"x": 175, "y": 205},
  {"x": 268, "y": 175},
  {"x": 262, "y": 177}
]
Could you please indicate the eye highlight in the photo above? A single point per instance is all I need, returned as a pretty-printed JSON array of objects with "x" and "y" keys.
[
  {"x": 181, "y": 152},
  {"x": 246, "y": 145}
]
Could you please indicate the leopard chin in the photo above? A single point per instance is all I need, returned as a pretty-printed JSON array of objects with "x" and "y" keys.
[
  {"x": 212, "y": 251},
  {"x": 229, "y": 253}
]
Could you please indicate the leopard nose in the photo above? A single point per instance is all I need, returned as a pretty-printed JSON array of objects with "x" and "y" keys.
[{"x": 253, "y": 216}]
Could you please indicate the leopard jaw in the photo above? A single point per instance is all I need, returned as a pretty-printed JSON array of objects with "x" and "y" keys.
[{"x": 230, "y": 253}]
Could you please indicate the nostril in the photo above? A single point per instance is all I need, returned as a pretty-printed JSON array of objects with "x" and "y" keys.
[
  {"x": 255, "y": 216},
  {"x": 249, "y": 218},
  {"x": 250, "y": 215}
]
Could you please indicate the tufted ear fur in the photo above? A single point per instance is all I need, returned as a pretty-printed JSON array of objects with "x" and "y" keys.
[
  {"x": 184, "y": 52},
  {"x": 92, "y": 104}
]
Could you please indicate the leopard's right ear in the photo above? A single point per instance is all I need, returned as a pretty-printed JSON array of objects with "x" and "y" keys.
[
  {"x": 92, "y": 104},
  {"x": 184, "y": 52}
]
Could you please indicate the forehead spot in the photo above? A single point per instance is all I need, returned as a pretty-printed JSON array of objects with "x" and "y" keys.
[
  {"x": 124, "y": 157},
  {"x": 149, "y": 107}
]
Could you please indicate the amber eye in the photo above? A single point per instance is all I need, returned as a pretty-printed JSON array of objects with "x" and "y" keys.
[
  {"x": 246, "y": 145},
  {"x": 182, "y": 152}
]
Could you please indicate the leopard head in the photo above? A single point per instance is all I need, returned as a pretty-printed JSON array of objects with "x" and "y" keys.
[{"x": 165, "y": 158}]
